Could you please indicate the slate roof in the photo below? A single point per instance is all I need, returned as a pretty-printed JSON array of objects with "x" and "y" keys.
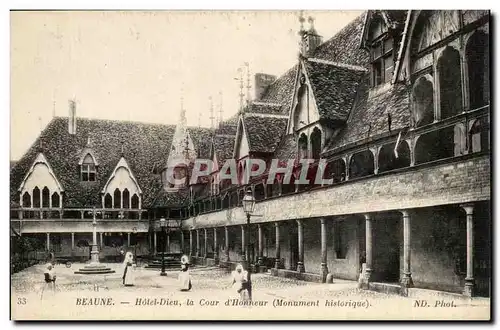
[
  {"x": 223, "y": 145},
  {"x": 177, "y": 198},
  {"x": 264, "y": 133},
  {"x": 259, "y": 107},
  {"x": 369, "y": 117},
  {"x": 343, "y": 47},
  {"x": 143, "y": 145},
  {"x": 281, "y": 90},
  {"x": 201, "y": 137},
  {"x": 334, "y": 88},
  {"x": 226, "y": 129},
  {"x": 287, "y": 148}
]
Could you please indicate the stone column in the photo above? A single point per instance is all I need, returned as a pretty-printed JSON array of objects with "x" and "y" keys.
[
  {"x": 154, "y": 242},
  {"x": 277, "y": 231},
  {"x": 406, "y": 281},
  {"x": 368, "y": 225},
  {"x": 128, "y": 239},
  {"x": 47, "y": 243},
  {"x": 205, "y": 244},
  {"x": 260, "y": 257},
  {"x": 216, "y": 247},
  {"x": 100, "y": 240},
  {"x": 190, "y": 243},
  {"x": 469, "y": 278},
  {"x": 168, "y": 243},
  {"x": 300, "y": 263},
  {"x": 324, "y": 267},
  {"x": 197, "y": 243},
  {"x": 243, "y": 246},
  {"x": 182, "y": 241},
  {"x": 72, "y": 241},
  {"x": 226, "y": 233}
]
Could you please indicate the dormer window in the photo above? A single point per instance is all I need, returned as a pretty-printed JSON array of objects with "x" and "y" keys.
[
  {"x": 88, "y": 169},
  {"x": 381, "y": 52}
]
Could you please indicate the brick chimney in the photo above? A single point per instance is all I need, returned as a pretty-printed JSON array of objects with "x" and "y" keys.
[
  {"x": 72, "y": 117},
  {"x": 262, "y": 81}
]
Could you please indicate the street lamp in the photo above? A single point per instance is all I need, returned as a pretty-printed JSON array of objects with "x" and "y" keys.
[
  {"x": 163, "y": 225},
  {"x": 248, "y": 207}
]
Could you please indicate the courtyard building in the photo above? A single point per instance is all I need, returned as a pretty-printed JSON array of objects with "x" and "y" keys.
[{"x": 398, "y": 105}]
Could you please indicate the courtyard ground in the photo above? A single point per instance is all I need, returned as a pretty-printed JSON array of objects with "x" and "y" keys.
[{"x": 158, "y": 298}]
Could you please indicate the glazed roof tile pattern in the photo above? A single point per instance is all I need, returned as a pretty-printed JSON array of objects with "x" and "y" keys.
[
  {"x": 344, "y": 46},
  {"x": 224, "y": 145},
  {"x": 201, "y": 137},
  {"x": 265, "y": 108},
  {"x": 143, "y": 145},
  {"x": 281, "y": 91},
  {"x": 287, "y": 149},
  {"x": 177, "y": 198},
  {"x": 334, "y": 88},
  {"x": 369, "y": 118},
  {"x": 264, "y": 133}
]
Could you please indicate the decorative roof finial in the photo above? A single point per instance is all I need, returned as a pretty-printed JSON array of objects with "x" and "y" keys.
[
  {"x": 248, "y": 82},
  {"x": 311, "y": 24},
  {"x": 211, "y": 112},
  {"x": 301, "y": 20},
  {"x": 220, "y": 108},
  {"x": 123, "y": 148},
  {"x": 240, "y": 71},
  {"x": 88, "y": 141}
]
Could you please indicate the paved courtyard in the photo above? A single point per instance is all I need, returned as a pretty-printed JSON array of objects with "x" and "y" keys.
[{"x": 157, "y": 297}]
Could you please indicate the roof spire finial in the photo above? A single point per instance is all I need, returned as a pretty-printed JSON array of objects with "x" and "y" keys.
[
  {"x": 248, "y": 82},
  {"x": 240, "y": 71},
  {"x": 123, "y": 148},
  {"x": 88, "y": 141},
  {"x": 310, "y": 19},
  {"x": 199, "y": 118},
  {"x": 211, "y": 112},
  {"x": 220, "y": 108},
  {"x": 301, "y": 20}
]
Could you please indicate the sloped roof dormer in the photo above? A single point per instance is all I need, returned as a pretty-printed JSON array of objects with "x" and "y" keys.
[
  {"x": 121, "y": 178},
  {"x": 40, "y": 174}
]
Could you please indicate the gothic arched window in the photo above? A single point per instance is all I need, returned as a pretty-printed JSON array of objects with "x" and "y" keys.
[
  {"x": 450, "y": 83},
  {"x": 478, "y": 69},
  {"x": 422, "y": 101},
  {"x": 88, "y": 169}
]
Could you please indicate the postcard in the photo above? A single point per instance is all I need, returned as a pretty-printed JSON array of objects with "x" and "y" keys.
[{"x": 250, "y": 165}]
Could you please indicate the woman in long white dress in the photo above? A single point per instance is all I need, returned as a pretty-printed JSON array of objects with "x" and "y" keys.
[
  {"x": 128, "y": 270},
  {"x": 184, "y": 275},
  {"x": 239, "y": 282}
]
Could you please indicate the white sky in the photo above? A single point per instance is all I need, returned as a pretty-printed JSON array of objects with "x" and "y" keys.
[{"x": 133, "y": 65}]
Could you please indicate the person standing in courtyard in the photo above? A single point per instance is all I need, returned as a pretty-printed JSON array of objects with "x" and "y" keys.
[
  {"x": 128, "y": 269},
  {"x": 184, "y": 275},
  {"x": 239, "y": 282}
]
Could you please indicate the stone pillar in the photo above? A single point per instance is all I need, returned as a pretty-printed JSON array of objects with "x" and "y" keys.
[
  {"x": 277, "y": 259},
  {"x": 197, "y": 243},
  {"x": 300, "y": 263},
  {"x": 47, "y": 243},
  {"x": 324, "y": 267},
  {"x": 205, "y": 244},
  {"x": 226, "y": 233},
  {"x": 182, "y": 241},
  {"x": 190, "y": 243},
  {"x": 365, "y": 280},
  {"x": 72, "y": 241},
  {"x": 168, "y": 243},
  {"x": 154, "y": 242},
  {"x": 216, "y": 247},
  {"x": 260, "y": 257},
  {"x": 406, "y": 281},
  {"x": 469, "y": 278},
  {"x": 243, "y": 246},
  {"x": 100, "y": 240},
  {"x": 128, "y": 239}
]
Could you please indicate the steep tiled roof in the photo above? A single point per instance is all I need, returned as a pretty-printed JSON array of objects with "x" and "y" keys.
[
  {"x": 344, "y": 46},
  {"x": 334, "y": 88},
  {"x": 281, "y": 90},
  {"x": 369, "y": 117},
  {"x": 201, "y": 137},
  {"x": 264, "y": 133},
  {"x": 287, "y": 148},
  {"x": 259, "y": 107},
  {"x": 227, "y": 129},
  {"x": 171, "y": 198},
  {"x": 224, "y": 145},
  {"x": 144, "y": 145}
]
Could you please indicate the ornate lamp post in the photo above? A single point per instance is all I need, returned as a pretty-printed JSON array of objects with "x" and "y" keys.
[
  {"x": 248, "y": 207},
  {"x": 163, "y": 225}
]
